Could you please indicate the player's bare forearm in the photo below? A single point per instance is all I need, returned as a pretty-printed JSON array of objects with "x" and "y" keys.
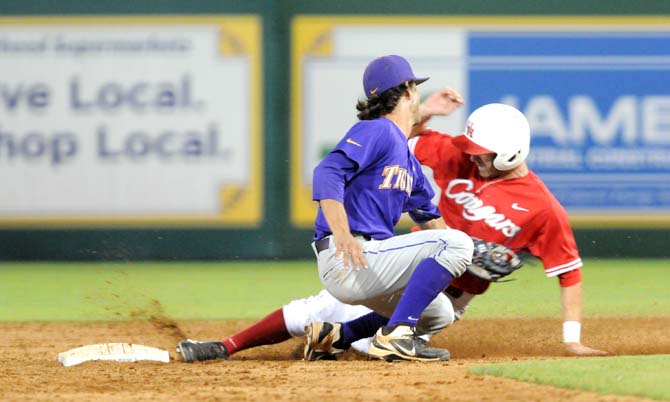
[
  {"x": 347, "y": 246},
  {"x": 336, "y": 216},
  {"x": 571, "y": 303},
  {"x": 434, "y": 224},
  {"x": 440, "y": 103}
]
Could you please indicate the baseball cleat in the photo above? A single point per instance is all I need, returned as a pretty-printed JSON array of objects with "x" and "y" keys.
[
  {"x": 194, "y": 351},
  {"x": 401, "y": 343},
  {"x": 320, "y": 338}
]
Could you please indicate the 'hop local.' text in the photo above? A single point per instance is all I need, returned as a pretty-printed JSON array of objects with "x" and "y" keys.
[{"x": 117, "y": 137}]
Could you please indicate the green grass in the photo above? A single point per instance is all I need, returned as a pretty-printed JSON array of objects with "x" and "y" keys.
[
  {"x": 73, "y": 292},
  {"x": 644, "y": 376},
  {"x": 248, "y": 290},
  {"x": 241, "y": 290},
  {"x": 611, "y": 288}
]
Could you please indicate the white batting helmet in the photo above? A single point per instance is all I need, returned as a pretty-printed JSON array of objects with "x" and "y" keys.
[{"x": 497, "y": 129}]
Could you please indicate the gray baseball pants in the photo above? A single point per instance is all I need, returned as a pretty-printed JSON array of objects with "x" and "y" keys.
[{"x": 391, "y": 263}]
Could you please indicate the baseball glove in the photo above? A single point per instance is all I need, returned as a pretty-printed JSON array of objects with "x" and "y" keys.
[{"x": 493, "y": 261}]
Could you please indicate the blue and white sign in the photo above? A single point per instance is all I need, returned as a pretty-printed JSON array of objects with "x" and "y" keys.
[
  {"x": 596, "y": 93},
  {"x": 598, "y": 106}
]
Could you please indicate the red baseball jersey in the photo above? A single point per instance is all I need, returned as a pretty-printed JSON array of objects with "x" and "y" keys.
[{"x": 520, "y": 213}]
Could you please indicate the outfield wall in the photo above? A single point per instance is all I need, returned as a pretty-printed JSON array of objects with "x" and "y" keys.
[{"x": 135, "y": 141}]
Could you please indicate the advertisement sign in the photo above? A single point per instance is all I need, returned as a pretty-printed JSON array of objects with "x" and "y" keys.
[
  {"x": 598, "y": 104},
  {"x": 130, "y": 121},
  {"x": 595, "y": 91}
]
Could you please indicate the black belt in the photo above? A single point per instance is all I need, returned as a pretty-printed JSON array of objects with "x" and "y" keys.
[{"x": 323, "y": 243}]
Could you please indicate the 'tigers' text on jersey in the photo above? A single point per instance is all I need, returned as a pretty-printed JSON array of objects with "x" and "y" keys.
[{"x": 403, "y": 180}]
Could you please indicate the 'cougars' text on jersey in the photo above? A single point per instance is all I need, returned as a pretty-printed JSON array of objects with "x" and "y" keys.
[{"x": 474, "y": 209}]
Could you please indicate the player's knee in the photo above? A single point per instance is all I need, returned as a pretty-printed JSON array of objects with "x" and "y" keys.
[
  {"x": 302, "y": 312},
  {"x": 320, "y": 307},
  {"x": 456, "y": 252},
  {"x": 461, "y": 244},
  {"x": 296, "y": 317}
]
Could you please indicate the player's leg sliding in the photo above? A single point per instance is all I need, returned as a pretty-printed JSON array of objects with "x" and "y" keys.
[
  {"x": 326, "y": 341},
  {"x": 269, "y": 330},
  {"x": 399, "y": 340}
]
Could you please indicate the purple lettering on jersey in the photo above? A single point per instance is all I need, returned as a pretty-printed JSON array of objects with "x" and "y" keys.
[{"x": 373, "y": 173}]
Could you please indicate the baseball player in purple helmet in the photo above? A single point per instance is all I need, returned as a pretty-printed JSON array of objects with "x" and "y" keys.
[{"x": 363, "y": 186}]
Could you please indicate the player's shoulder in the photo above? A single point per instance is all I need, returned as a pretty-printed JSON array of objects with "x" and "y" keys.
[
  {"x": 541, "y": 189},
  {"x": 431, "y": 135},
  {"x": 543, "y": 195},
  {"x": 429, "y": 131},
  {"x": 371, "y": 128},
  {"x": 430, "y": 139}
]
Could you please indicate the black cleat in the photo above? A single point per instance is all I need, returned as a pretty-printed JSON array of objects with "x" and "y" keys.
[{"x": 194, "y": 351}]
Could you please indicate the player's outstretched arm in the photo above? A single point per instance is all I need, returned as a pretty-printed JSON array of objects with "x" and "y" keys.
[
  {"x": 571, "y": 302},
  {"x": 440, "y": 103}
]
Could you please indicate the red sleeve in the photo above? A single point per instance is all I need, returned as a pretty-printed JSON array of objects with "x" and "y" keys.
[
  {"x": 435, "y": 150},
  {"x": 555, "y": 245}
]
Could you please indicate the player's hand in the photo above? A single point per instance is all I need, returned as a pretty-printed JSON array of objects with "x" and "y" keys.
[
  {"x": 347, "y": 248},
  {"x": 577, "y": 349},
  {"x": 441, "y": 103}
]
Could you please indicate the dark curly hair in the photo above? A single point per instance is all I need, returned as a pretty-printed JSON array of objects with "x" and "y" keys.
[{"x": 379, "y": 105}]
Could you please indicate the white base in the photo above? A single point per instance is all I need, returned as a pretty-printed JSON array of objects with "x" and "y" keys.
[{"x": 117, "y": 352}]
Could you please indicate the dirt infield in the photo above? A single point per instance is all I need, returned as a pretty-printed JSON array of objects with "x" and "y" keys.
[{"x": 30, "y": 370}]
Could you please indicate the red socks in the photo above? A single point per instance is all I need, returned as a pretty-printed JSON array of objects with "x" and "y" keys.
[{"x": 269, "y": 330}]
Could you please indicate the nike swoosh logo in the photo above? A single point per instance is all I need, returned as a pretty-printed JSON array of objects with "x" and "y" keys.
[
  {"x": 350, "y": 141},
  {"x": 373, "y": 91},
  {"x": 408, "y": 352},
  {"x": 518, "y": 208},
  {"x": 413, "y": 318}
]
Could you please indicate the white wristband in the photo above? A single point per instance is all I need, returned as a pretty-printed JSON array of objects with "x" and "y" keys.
[{"x": 571, "y": 331}]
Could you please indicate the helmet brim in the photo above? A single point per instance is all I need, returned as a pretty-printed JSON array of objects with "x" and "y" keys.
[{"x": 466, "y": 145}]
